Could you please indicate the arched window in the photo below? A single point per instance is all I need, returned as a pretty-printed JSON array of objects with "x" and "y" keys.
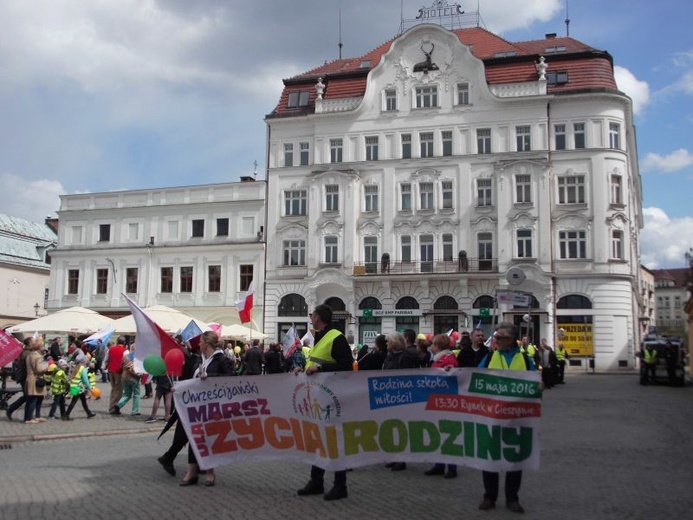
[
  {"x": 407, "y": 303},
  {"x": 336, "y": 304},
  {"x": 446, "y": 303},
  {"x": 370, "y": 303},
  {"x": 574, "y": 301},
  {"x": 483, "y": 302},
  {"x": 293, "y": 305}
]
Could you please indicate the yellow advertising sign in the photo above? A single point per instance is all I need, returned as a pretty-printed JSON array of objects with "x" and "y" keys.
[{"x": 577, "y": 339}]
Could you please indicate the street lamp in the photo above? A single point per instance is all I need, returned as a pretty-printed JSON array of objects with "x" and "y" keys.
[{"x": 36, "y": 308}]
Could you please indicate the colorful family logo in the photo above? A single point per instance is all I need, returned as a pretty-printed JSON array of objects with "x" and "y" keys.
[{"x": 315, "y": 401}]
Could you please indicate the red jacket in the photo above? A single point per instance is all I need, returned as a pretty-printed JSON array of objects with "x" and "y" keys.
[
  {"x": 444, "y": 359},
  {"x": 115, "y": 358}
]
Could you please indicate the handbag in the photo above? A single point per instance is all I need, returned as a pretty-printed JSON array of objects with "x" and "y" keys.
[{"x": 40, "y": 382}]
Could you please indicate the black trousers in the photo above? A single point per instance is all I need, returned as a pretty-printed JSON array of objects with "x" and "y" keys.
[
  {"x": 178, "y": 443},
  {"x": 19, "y": 402},
  {"x": 513, "y": 479},
  {"x": 79, "y": 397},
  {"x": 317, "y": 475},
  {"x": 561, "y": 371}
]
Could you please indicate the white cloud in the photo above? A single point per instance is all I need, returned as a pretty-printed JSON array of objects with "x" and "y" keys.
[
  {"x": 30, "y": 200},
  {"x": 675, "y": 161},
  {"x": 639, "y": 91},
  {"x": 664, "y": 240},
  {"x": 499, "y": 18}
]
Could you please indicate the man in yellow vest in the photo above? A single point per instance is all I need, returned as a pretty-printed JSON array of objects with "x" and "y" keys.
[
  {"x": 330, "y": 353},
  {"x": 649, "y": 358},
  {"x": 561, "y": 356},
  {"x": 508, "y": 356}
]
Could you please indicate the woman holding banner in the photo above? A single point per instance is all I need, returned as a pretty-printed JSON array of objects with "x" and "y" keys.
[{"x": 214, "y": 364}]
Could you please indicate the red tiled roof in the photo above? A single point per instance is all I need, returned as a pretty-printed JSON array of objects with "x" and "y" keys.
[
  {"x": 587, "y": 67},
  {"x": 679, "y": 276}
]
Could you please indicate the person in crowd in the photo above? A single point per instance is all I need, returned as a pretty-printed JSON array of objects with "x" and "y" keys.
[
  {"x": 162, "y": 391},
  {"x": 375, "y": 358},
  {"x": 59, "y": 387},
  {"x": 649, "y": 364},
  {"x": 131, "y": 384},
  {"x": 443, "y": 357},
  {"x": 191, "y": 363},
  {"x": 529, "y": 348},
  {"x": 422, "y": 347},
  {"x": 548, "y": 363},
  {"x": 330, "y": 353},
  {"x": 399, "y": 357},
  {"x": 507, "y": 356},
  {"x": 19, "y": 375},
  {"x": 411, "y": 353},
  {"x": 673, "y": 361},
  {"x": 55, "y": 351},
  {"x": 296, "y": 360},
  {"x": 561, "y": 358},
  {"x": 214, "y": 364},
  {"x": 36, "y": 367},
  {"x": 473, "y": 352},
  {"x": 114, "y": 365},
  {"x": 253, "y": 359},
  {"x": 274, "y": 359},
  {"x": 79, "y": 386}
]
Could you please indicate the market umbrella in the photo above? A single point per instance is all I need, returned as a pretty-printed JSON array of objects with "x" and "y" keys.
[
  {"x": 169, "y": 319},
  {"x": 241, "y": 332},
  {"x": 74, "y": 320}
]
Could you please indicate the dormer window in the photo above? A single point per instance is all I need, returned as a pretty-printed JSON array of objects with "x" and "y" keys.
[
  {"x": 298, "y": 98},
  {"x": 557, "y": 48},
  {"x": 366, "y": 64},
  {"x": 557, "y": 77}
]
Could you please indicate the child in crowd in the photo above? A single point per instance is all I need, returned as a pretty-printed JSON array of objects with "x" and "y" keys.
[
  {"x": 163, "y": 389},
  {"x": 59, "y": 388}
]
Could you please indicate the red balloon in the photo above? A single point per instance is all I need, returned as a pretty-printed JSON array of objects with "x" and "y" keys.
[
  {"x": 455, "y": 335},
  {"x": 429, "y": 336},
  {"x": 174, "y": 360}
]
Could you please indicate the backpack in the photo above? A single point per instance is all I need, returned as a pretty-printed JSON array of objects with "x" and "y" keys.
[{"x": 19, "y": 369}]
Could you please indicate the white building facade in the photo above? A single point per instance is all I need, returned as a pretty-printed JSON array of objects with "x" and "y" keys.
[
  {"x": 194, "y": 248},
  {"x": 451, "y": 178}
]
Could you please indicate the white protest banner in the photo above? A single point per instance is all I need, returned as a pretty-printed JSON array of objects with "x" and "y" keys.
[{"x": 486, "y": 419}]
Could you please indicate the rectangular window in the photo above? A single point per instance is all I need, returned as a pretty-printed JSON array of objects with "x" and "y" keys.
[
  {"x": 559, "y": 133},
  {"x": 571, "y": 189},
  {"x": 524, "y": 243},
  {"x": 298, "y": 98},
  {"x": 617, "y": 244},
  {"x": 463, "y": 93},
  {"x": 523, "y": 189},
  {"x": 426, "y": 253},
  {"x": 186, "y": 279},
  {"x": 406, "y": 248},
  {"x": 390, "y": 100},
  {"x": 426, "y": 195},
  {"x": 447, "y": 143},
  {"x": 101, "y": 281},
  {"x": 72, "y": 281},
  {"x": 426, "y": 139},
  {"x": 222, "y": 227},
  {"x": 485, "y": 249},
  {"x": 558, "y": 77},
  {"x": 447, "y": 247},
  {"x": 579, "y": 135},
  {"x": 198, "y": 228},
  {"x": 371, "y": 198},
  {"x": 331, "y": 250},
  {"x": 372, "y": 148},
  {"x": 305, "y": 153},
  {"x": 484, "y": 190},
  {"x": 405, "y": 190},
  {"x": 295, "y": 202},
  {"x": 167, "y": 279},
  {"x": 572, "y": 244},
  {"x": 331, "y": 197},
  {"x": 426, "y": 97},
  {"x": 288, "y": 154},
  {"x": 104, "y": 233},
  {"x": 76, "y": 234},
  {"x": 616, "y": 189},
  {"x": 615, "y": 136},
  {"x": 524, "y": 138},
  {"x": 370, "y": 251},
  {"x": 246, "y": 276},
  {"x": 336, "y": 150},
  {"x": 406, "y": 146},
  {"x": 214, "y": 278},
  {"x": 294, "y": 252},
  {"x": 483, "y": 140},
  {"x": 131, "y": 275},
  {"x": 133, "y": 231},
  {"x": 446, "y": 188}
]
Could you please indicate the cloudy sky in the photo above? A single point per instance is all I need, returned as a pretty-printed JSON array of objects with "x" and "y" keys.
[{"x": 100, "y": 95}]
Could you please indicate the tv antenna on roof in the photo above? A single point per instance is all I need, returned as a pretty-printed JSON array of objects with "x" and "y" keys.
[
  {"x": 340, "y": 34},
  {"x": 567, "y": 18}
]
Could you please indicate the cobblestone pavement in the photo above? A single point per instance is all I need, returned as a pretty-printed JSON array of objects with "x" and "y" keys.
[{"x": 610, "y": 449}]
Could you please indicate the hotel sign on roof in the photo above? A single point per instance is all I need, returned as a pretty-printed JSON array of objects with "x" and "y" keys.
[{"x": 439, "y": 9}]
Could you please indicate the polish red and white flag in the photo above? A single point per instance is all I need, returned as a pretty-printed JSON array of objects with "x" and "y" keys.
[
  {"x": 245, "y": 306},
  {"x": 150, "y": 339}
]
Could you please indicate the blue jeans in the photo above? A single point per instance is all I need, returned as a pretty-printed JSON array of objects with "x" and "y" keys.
[
  {"x": 131, "y": 389},
  {"x": 33, "y": 407}
]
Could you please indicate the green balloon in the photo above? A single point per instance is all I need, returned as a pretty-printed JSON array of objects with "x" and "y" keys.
[{"x": 155, "y": 365}]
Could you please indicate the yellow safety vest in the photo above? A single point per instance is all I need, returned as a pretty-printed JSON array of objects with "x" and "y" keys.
[
  {"x": 59, "y": 383},
  {"x": 650, "y": 356},
  {"x": 456, "y": 352},
  {"x": 321, "y": 353},
  {"x": 76, "y": 381},
  {"x": 560, "y": 354},
  {"x": 498, "y": 362}
]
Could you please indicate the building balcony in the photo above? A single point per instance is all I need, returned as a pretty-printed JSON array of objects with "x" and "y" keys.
[{"x": 468, "y": 266}]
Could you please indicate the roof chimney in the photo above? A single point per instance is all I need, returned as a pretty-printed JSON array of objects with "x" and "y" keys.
[{"x": 550, "y": 36}]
